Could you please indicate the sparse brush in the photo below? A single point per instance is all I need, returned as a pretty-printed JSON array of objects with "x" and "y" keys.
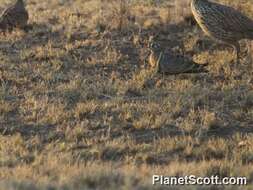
[
  {"x": 115, "y": 14},
  {"x": 121, "y": 13},
  {"x": 182, "y": 10},
  {"x": 78, "y": 110}
]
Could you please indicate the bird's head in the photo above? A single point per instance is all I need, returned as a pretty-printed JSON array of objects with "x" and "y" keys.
[
  {"x": 153, "y": 46},
  {"x": 20, "y": 2}
]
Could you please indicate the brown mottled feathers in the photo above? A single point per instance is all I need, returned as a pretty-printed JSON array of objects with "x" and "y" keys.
[
  {"x": 169, "y": 63},
  {"x": 222, "y": 22},
  {"x": 15, "y": 16}
]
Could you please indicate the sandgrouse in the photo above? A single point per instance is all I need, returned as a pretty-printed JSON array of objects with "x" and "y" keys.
[
  {"x": 14, "y": 16},
  {"x": 169, "y": 63},
  {"x": 222, "y": 23}
]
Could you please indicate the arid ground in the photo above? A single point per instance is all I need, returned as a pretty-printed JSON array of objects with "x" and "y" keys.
[{"x": 81, "y": 109}]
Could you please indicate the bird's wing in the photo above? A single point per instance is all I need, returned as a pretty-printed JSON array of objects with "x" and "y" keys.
[
  {"x": 7, "y": 14},
  {"x": 12, "y": 14},
  {"x": 8, "y": 10},
  {"x": 172, "y": 64},
  {"x": 232, "y": 20}
]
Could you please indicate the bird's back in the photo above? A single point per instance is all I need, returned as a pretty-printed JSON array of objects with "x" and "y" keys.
[
  {"x": 14, "y": 16},
  {"x": 170, "y": 63},
  {"x": 175, "y": 64},
  {"x": 221, "y": 22}
]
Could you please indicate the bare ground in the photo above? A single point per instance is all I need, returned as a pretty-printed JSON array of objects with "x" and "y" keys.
[{"x": 79, "y": 109}]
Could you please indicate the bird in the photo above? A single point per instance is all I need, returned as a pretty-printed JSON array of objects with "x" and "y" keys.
[
  {"x": 14, "y": 16},
  {"x": 169, "y": 63},
  {"x": 222, "y": 23}
]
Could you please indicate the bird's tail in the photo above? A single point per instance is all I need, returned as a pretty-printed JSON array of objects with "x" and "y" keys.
[
  {"x": 249, "y": 33},
  {"x": 198, "y": 68}
]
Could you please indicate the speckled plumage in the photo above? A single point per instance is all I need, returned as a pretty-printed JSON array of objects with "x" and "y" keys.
[
  {"x": 169, "y": 63},
  {"x": 222, "y": 23},
  {"x": 14, "y": 16}
]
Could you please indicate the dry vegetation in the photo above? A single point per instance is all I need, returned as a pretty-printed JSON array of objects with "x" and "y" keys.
[{"x": 79, "y": 109}]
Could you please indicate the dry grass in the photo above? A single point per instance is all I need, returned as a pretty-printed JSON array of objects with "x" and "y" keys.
[{"x": 79, "y": 109}]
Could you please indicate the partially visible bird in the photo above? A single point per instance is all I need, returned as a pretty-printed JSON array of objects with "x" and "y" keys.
[
  {"x": 169, "y": 63},
  {"x": 14, "y": 16},
  {"x": 100, "y": 28},
  {"x": 222, "y": 23}
]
